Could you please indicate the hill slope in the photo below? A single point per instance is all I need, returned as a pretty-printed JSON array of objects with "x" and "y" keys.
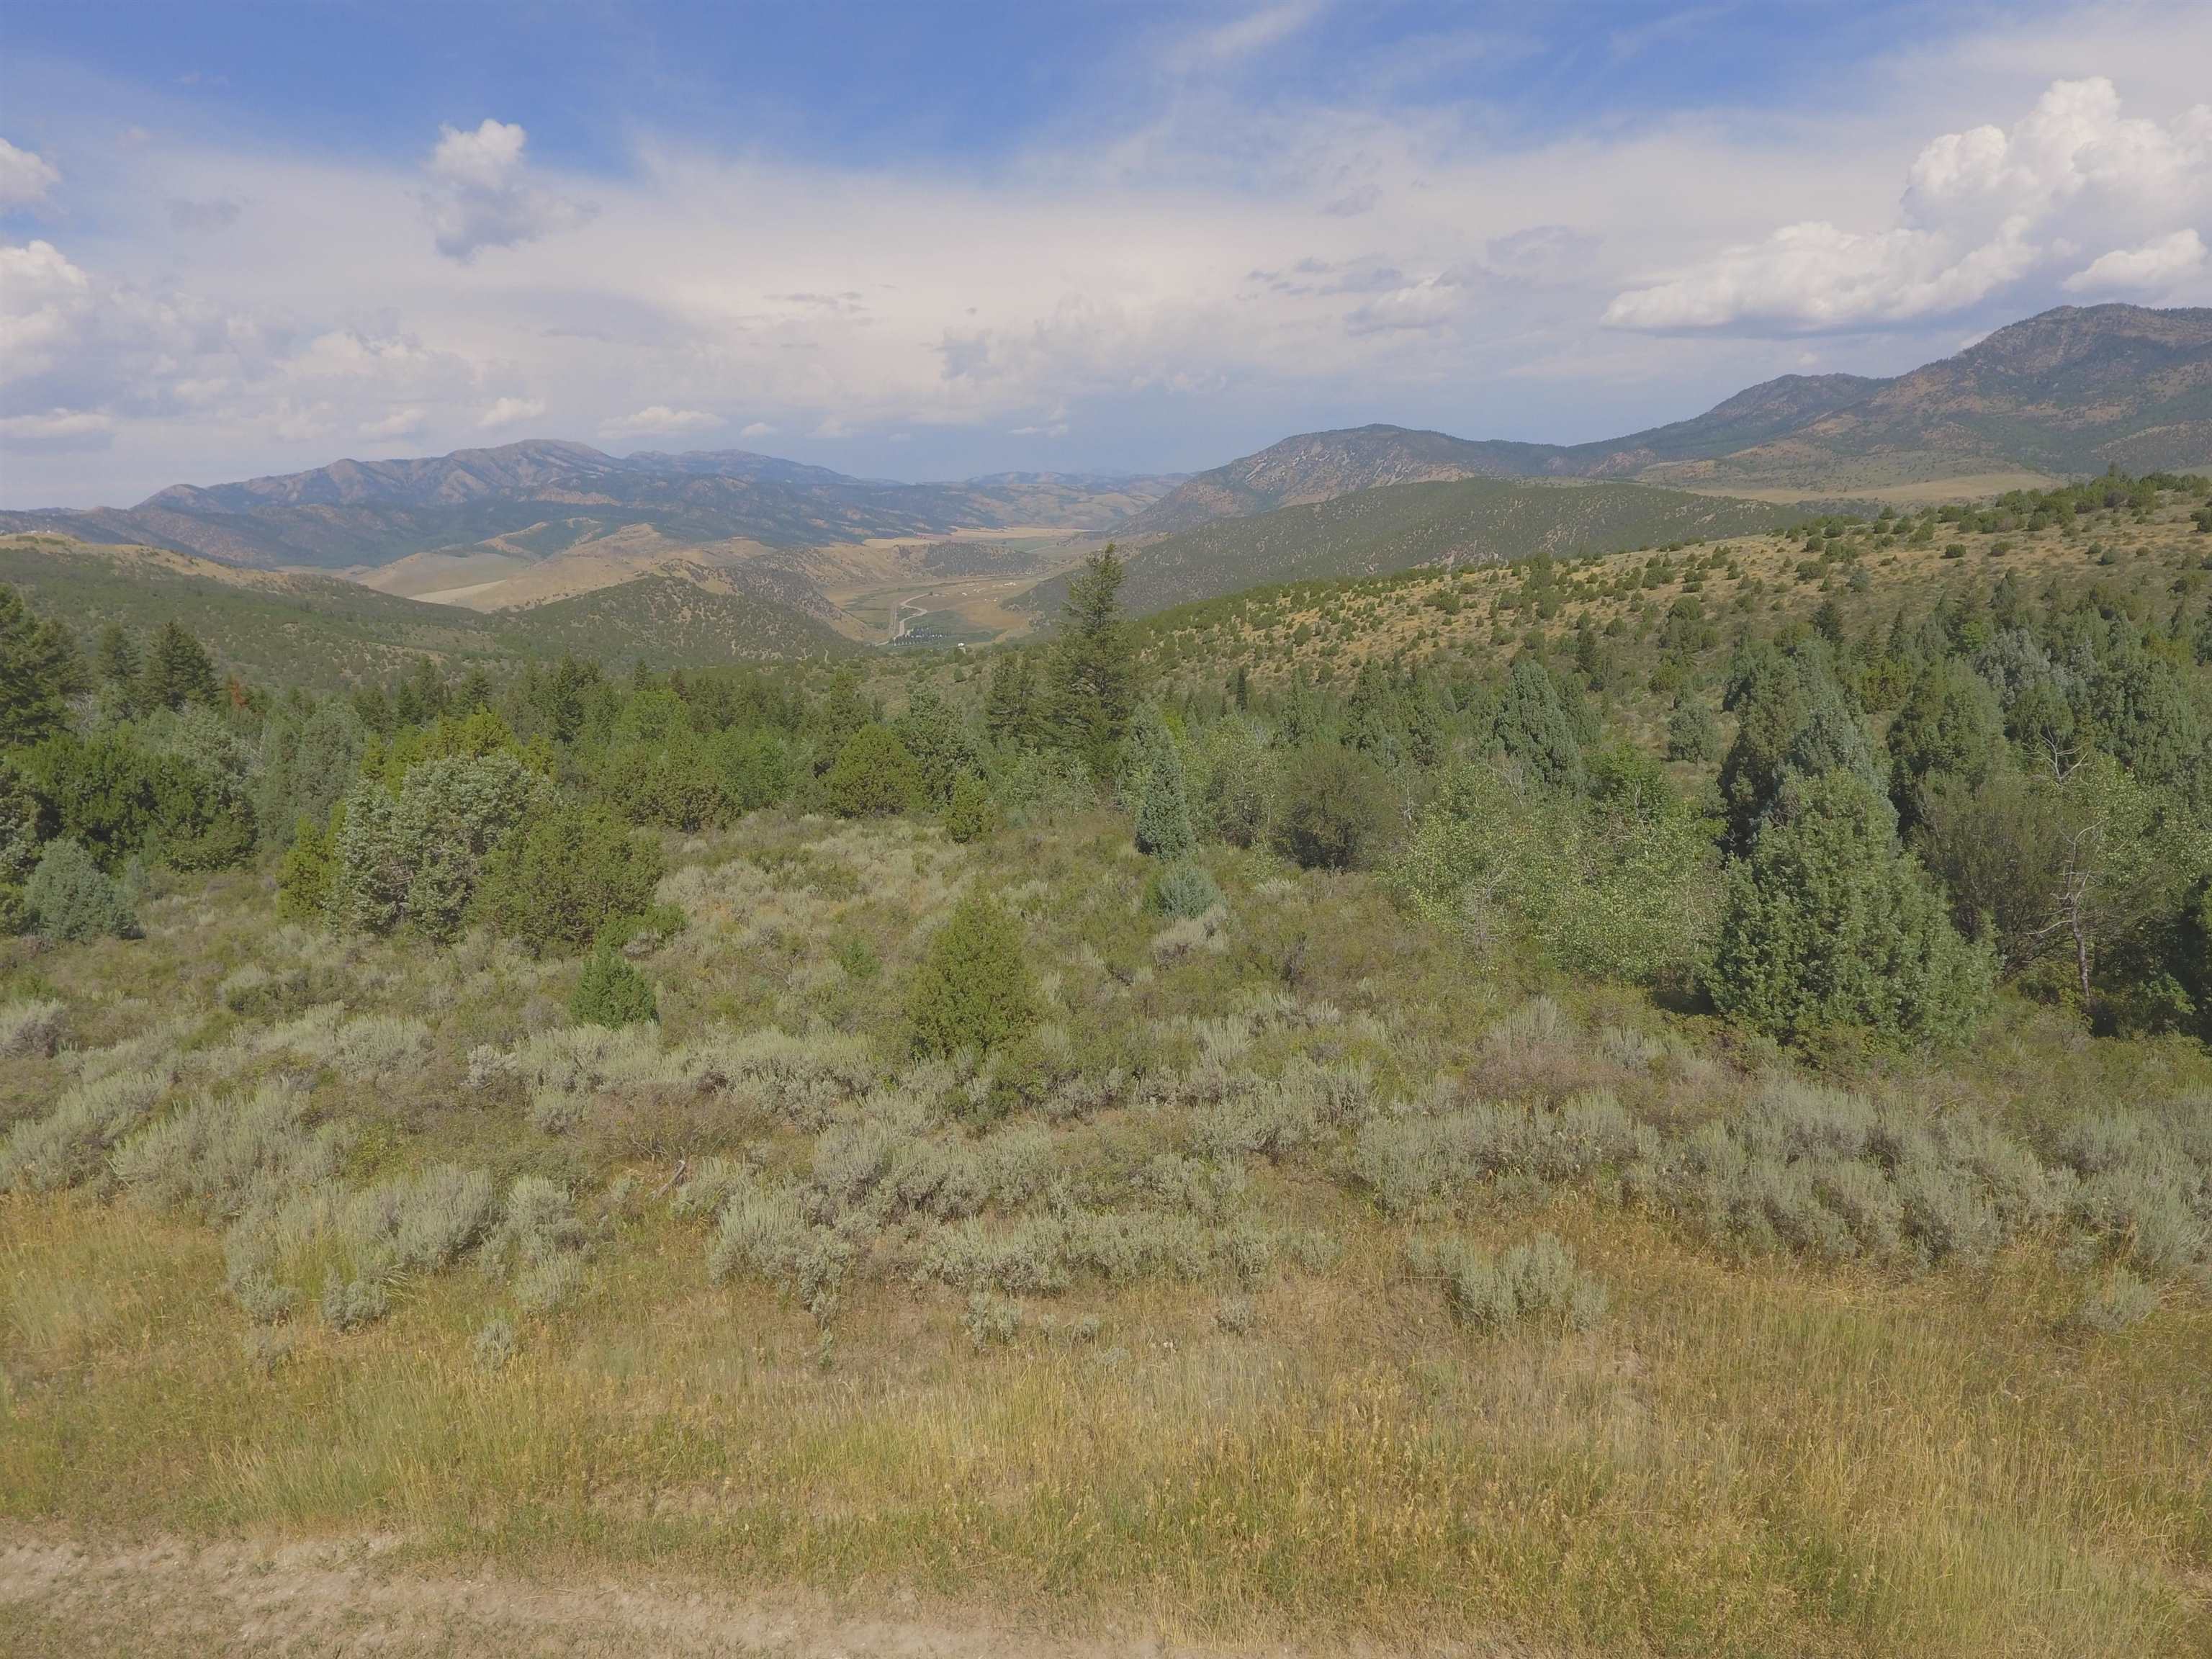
[
  {"x": 2071, "y": 390},
  {"x": 326, "y": 632},
  {"x": 1374, "y": 531},
  {"x": 559, "y": 495}
]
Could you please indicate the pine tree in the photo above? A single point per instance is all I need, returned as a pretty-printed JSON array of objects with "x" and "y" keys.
[
  {"x": 1094, "y": 666},
  {"x": 973, "y": 990},
  {"x": 178, "y": 671},
  {"x": 39, "y": 671}
]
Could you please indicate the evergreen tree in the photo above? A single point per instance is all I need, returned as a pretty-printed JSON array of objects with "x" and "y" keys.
[
  {"x": 973, "y": 990},
  {"x": 1692, "y": 733},
  {"x": 1829, "y": 923},
  {"x": 39, "y": 671},
  {"x": 178, "y": 671},
  {"x": 1533, "y": 726},
  {"x": 873, "y": 776},
  {"x": 610, "y": 990},
  {"x": 1949, "y": 728},
  {"x": 1093, "y": 666},
  {"x": 934, "y": 734},
  {"x": 1162, "y": 799},
  {"x": 118, "y": 659}
]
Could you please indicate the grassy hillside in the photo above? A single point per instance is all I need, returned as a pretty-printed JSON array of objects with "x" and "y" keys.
[
  {"x": 325, "y": 633},
  {"x": 316, "y": 631},
  {"x": 1375, "y": 531},
  {"x": 671, "y": 622}
]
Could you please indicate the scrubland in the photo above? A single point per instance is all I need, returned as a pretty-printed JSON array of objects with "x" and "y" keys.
[{"x": 1311, "y": 1273}]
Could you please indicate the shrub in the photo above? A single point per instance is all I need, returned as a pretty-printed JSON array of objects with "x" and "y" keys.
[
  {"x": 558, "y": 881},
  {"x": 1536, "y": 1282},
  {"x": 69, "y": 897},
  {"x": 1334, "y": 808},
  {"x": 1183, "y": 889},
  {"x": 1692, "y": 733},
  {"x": 494, "y": 1345},
  {"x": 991, "y": 1320},
  {"x": 70, "y": 1144},
  {"x": 969, "y": 815},
  {"x": 217, "y": 1157},
  {"x": 34, "y": 1027},
  {"x": 873, "y": 776},
  {"x": 610, "y": 992},
  {"x": 973, "y": 990},
  {"x": 2120, "y": 1301}
]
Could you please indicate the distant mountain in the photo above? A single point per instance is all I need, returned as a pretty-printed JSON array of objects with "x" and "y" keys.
[
  {"x": 549, "y": 497},
  {"x": 1372, "y": 532},
  {"x": 2072, "y": 390}
]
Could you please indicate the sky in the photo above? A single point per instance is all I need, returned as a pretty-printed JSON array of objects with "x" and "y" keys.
[{"x": 918, "y": 240}]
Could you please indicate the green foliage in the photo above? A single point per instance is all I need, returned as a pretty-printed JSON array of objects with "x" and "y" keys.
[
  {"x": 873, "y": 776},
  {"x": 560, "y": 878},
  {"x": 1950, "y": 727},
  {"x": 973, "y": 990},
  {"x": 1092, "y": 675},
  {"x": 40, "y": 669},
  {"x": 932, "y": 733},
  {"x": 1532, "y": 727},
  {"x": 1235, "y": 788},
  {"x": 970, "y": 814},
  {"x": 1185, "y": 890},
  {"x": 19, "y": 844},
  {"x": 309, "y": 759},
  {"x": 1159, "y": 801},
  {"x": 1333, "y": 809},
  {"x": 1692, "y": 733},
  {"x": 1829, "y": 924},
  {"x": 610, "y": 991},
  {"x": 1621, "y": 887},
  {"x": 414, "y": 857},
  {"x": 1537, "y": 1282},
  {"x": 178, "y": 671},
  {"x": 69, "y": 897},
  {"x": 305, "y": 874},
  {"x": 123, "y": 799}
]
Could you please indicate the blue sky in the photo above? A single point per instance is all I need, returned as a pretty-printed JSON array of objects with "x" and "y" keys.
[{"x": 922, "y": 241}]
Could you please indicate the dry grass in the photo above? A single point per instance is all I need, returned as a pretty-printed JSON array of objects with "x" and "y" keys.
[{"x": 1741, "y": 1458}]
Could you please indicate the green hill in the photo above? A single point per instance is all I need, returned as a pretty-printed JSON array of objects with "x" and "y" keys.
[
  {"x": 1374, "y": 531},
  {"x": 669, "y": 623}
]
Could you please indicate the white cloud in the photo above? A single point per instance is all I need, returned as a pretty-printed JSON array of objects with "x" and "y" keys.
[
  {"x": 400, "y": 423},
  {"x": 831, "y": 427},
  {"x": 1055, "y": 429},
  {"x": 660, "y": 418},
  {"x": 1242, "y": 37},
  {"x": 478, "y": 197},
  {"x": 1981, "y": 210},
  {"x": 506, "y": 411},
  {"x": 25, "y": 176},
  {"x": 44, "y": 299},
  {"x": 58, "y": 429},
  {"x": 758, "y": 430},
  {"x": 2155, "y": 265}
]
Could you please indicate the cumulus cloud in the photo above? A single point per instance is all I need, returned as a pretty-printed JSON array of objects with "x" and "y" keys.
[
  {"x": 44, "y": 301},
  {"x": 658, "y": 419},
  {"x": 758, "y": 430},
  {"x": 2155, "y": 265},
  {"x": 25, "y": 176},
  {"x": 1981, "y": 210},
  {"x": 478, "y": 197},
  {"x": 507, "y": 412}
]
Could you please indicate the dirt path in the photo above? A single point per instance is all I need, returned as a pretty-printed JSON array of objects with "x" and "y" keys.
[{"x": 169, "y": 1599}]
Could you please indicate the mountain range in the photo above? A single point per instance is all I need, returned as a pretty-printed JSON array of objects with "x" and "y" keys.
[
  {"x": 543, "y": 498},
  {"x": 2071, "y": 390}
]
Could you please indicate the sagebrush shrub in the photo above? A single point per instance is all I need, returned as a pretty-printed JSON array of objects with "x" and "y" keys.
[
  {"x": 991, "y": 1320},
  {"x": 220, "y": 1155},
  {"x": 33, "y": 1027},
  {"x": 1537, "y": 1282},
  {"x": 2120, "y": 1301},
  {"x": 69, "y": 897},
  {"x": 70, "y": 1144},
  {"x": 1182, "y": 888}
]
